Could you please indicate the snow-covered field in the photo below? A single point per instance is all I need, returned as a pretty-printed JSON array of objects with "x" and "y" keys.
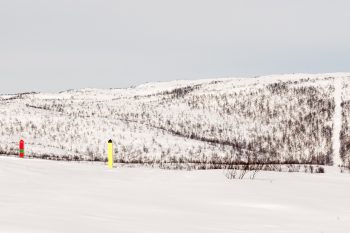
[{"x": 52, "y": 196}]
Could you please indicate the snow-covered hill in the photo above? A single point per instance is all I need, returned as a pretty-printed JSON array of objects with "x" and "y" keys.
[{"x": 281, "y": 118}]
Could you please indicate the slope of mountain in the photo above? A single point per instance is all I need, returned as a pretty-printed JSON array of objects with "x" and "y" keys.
[{"x": 284, "y": 119}]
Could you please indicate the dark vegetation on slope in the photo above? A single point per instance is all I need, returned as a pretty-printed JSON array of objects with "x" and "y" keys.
[
  {"x": 278, "y": 123},
  {"x": 345, "y": 134}
]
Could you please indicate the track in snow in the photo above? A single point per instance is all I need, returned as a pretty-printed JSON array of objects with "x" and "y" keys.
[{"x": 337, "y": 121}]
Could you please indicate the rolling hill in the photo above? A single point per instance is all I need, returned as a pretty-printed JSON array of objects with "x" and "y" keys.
[{"x": 299, "y": 118}]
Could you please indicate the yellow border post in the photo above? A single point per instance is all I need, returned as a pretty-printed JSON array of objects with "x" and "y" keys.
[{"x": 110, "y": 154}]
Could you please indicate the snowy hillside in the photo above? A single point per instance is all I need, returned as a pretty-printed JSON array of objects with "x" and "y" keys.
[{"x": 288, "y": 118}]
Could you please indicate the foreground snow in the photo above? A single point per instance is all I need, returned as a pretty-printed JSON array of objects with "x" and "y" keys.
[{"x": 50, "y": 196}]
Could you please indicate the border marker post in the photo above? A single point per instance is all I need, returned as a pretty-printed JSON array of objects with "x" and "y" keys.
[
  {"x": 110, "y": 153},
  {"x": 21, "y": 148}
]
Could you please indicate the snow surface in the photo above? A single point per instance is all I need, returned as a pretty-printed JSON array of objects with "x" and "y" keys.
[{"x": 50, "y": 196}]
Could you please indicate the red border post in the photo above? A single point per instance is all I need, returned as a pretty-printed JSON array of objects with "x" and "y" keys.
[{"x": 21, "y": 148}]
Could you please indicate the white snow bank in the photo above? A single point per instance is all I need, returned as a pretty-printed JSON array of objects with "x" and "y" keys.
[{"x": 50, "y": 196}]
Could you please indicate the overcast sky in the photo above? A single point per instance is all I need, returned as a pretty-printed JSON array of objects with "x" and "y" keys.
[{"x": 53, "y": 45}]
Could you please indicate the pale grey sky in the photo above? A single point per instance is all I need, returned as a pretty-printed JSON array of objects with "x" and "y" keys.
[{"x": 53, "y": 45}]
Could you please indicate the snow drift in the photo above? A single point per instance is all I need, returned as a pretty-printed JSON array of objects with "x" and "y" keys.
[{"x": 54, "y": 197}]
